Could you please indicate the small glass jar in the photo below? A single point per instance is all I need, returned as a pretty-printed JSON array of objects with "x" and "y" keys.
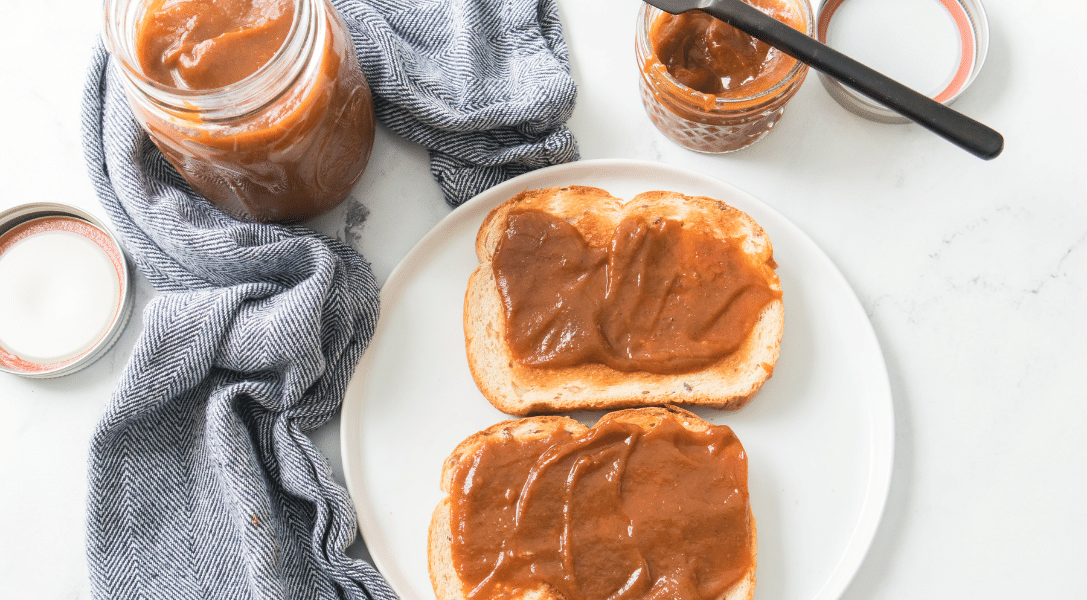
[
  {"x": 705, "y": 122},
  {"x": 283, "y": 144}
]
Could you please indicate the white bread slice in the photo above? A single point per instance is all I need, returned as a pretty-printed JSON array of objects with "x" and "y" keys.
[
  {"x": 443, "y": 575},
  {"x": 517, "y": 389}
]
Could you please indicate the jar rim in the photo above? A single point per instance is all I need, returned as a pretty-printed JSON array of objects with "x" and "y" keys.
[
  {"x": 236, "y": 99},
  {"x": 647, "y": 14}
]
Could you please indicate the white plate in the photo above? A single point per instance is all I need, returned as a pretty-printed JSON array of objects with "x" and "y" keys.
[{"x": 819, "y": 435}]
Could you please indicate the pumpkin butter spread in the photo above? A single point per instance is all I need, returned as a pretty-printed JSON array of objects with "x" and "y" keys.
[
  {"x": 706, "y": 54},
  {"x": 618, "y": 511},
  {"x": 659, "y": 298},
  {"x": 202, "y": 45}
]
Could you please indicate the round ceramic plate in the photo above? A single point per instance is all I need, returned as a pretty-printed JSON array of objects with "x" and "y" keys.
[{"x": 819, "y": 435}]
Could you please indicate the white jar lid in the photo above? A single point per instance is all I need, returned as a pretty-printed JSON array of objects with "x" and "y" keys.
[
  {"x": 936, "y": 47},
  {"x": 65, "y": 290}
]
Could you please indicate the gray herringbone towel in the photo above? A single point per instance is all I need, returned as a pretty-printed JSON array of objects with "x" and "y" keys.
[
  {"x": 202, "y": 481},
  {"x": 484, "y": 85}
]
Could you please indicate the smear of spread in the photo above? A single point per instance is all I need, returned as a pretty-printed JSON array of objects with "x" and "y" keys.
[
  {"x": 615, "y": 513},
  {"x": 660, "y": 298}
]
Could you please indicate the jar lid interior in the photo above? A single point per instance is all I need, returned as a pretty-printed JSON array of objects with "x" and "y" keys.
[
  {"x": 936, "y": 47},
  {"x": 63, "y": 293}
]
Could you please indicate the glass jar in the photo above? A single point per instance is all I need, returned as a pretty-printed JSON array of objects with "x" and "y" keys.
[
  {"x": 284, "y": 143},
  {"x": 713, "y": 123}
]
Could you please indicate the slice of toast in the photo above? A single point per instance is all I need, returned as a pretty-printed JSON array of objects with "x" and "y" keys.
[
  {"x": 518, "y": 389},
  {"x": 443, "y": 574}
]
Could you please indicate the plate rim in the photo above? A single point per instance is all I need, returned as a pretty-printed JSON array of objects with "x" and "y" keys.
[{"x": 881, "y": 414}]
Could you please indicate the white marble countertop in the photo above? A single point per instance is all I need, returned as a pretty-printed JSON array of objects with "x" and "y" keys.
[{"x": 973, "y": 273}]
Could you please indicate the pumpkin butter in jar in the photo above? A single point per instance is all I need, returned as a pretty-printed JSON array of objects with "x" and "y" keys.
[
  {"x": 260, "y": 104},
  {"x": 710, "y": 87}
]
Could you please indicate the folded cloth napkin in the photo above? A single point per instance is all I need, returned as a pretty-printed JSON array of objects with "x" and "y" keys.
[{"x": 202, "y": 482}]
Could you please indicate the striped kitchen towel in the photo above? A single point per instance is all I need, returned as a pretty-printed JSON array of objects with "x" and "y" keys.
[
  {"x": 484, "y": 85},
  {"x": 202, "y": 481}
]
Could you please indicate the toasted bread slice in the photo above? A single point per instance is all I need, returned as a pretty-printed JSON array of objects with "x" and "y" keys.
[
  {"x": 518, "y": 389},
  {"x": 443, "y": 574}
]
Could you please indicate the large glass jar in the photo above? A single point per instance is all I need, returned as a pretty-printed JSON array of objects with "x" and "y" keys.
[
  {"x": 718, "y": 122},
  {"x": 284, "y": 143}
]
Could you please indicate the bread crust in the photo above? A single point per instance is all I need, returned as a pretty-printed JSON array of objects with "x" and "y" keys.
[
  {"x": 443, "y": 576},
  {"x": 517, "y": 389}
]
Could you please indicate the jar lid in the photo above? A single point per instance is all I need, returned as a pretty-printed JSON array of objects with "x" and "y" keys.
[
  {"x": 65, "y": 291},
  {"x": 936, "y": 47}
]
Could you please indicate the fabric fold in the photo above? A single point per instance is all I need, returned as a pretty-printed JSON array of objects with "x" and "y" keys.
[
  {"x": 485, "y": 86},
  {"x": 202, "y": 482}
]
